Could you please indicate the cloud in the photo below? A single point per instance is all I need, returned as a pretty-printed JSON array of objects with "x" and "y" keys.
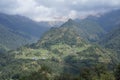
[
  {"x": 7, "y": 6},
  {"x": 57, "y": 9}
]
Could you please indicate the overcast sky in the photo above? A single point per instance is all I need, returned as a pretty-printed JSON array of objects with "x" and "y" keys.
[{"x": 57, "y": 9}]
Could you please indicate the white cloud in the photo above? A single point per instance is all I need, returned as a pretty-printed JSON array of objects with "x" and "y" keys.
[
  {"x": 72, "y": 14},
  {"x": 57, "y": 9}
]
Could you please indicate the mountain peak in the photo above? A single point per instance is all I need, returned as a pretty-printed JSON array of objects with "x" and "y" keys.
[
  {"x": 70, "y": 23},
  {"x": 69, "y": 20}
]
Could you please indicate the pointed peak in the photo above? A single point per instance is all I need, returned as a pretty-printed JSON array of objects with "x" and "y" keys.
[
  {"x": 70, "y": 23},
  {"x": 69, "y": 20}
]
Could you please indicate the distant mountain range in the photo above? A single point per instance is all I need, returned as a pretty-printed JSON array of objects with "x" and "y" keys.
[
  {"x": 108, "y": 20},
  {"x": 11, "y": 39},
  {"x": 27, "y": 31},
  {"x": 16, "y": 30},
  {"x": 112, "y": 40},
  {"x": 65, "y": 47},
  {"x": 76, "y": 45},
  {"x": 22, "y": 25},
  {"x": 87, "y": 30}
]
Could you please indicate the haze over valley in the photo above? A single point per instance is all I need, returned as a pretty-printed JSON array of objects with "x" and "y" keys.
[{"x": 59, "y": 40}]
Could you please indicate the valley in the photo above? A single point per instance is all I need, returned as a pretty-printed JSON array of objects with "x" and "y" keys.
[{"x": 86, "y": 49}]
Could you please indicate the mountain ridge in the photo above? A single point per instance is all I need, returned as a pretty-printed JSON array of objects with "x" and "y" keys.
[
  {"x": 112, "y": 40},
  {"x": 21, "y": 29}
]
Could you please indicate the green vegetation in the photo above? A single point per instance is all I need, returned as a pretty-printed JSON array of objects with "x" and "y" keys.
[
  {"x": 112, "y": 40},
  {"x": 97, "y": 72},
  {"x": 16, "y": 31},
  {"x": 62, "y": 53},
  {"x": 10, "y": 39},
  {"x": 91, "y": 31},
  {"x": 117, "y": 73},
  {"x": 87, "y": 29},
  {"x": 68, "y": 57}
]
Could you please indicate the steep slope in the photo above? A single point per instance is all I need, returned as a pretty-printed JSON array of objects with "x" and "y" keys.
[
  {"x": 88, "y": 30},
  {"x": 10, "y": 39},
  {"x": 16, "y": 30},
  {"x": 22, "y": 25},
  {"x": 112, "y": 40},
  {"x": 64, "y": 44},
  {"x": 64, "y": 35},
  {"x": 106, "y": 21},
  {"x": 110, "y": 20},
  {"x": 61, "y": 49}
]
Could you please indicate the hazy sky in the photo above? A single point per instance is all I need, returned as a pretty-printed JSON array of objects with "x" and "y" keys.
[{"x": 57, "y": 9}]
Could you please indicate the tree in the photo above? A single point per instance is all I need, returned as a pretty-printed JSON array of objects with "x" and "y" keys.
[
  {"x": 86, "y": 74},
  {"x": 117, "y": 73}
]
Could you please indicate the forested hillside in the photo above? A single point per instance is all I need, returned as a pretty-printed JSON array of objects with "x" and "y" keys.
[
  {"x": 16, "y": 31},
  {"x": 86, "y": 49},
  {"x": 112, "y": 40},
  {"x": 63, "y": 51},
  {"x": 11, "y": 39}
]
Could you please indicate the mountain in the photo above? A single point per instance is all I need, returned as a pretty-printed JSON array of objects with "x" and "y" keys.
[
  {"x": 16, "y": 30},
  {"x": 64, "y": 34},
  {"x": 90, "y": 29},
  {"x": 63, "y": 50},
  {"x": 64, "y": 41},
  {"x": 112, "y": 40},
  {"x": 83, "y": 29},
  {"x": 64, "y": 46},
  {"x": 107, "y": 21},
  {"x": 22, "y": 25},
  {"x": 11, "y": 39},
  {"x": 110, "y": 20},
  {"x": 87, "y": 29},
  {"x": 61, "y": 53}
]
